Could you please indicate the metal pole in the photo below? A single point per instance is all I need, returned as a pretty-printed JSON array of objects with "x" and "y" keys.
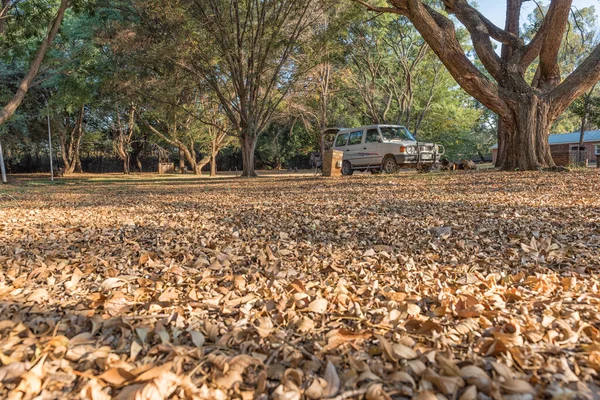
[
  {"x": 2, "y": 165},
  {"x": 50, "y": 146}
]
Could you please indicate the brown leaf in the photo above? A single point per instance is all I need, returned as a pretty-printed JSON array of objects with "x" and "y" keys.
[
  {"x": 332, "y": 379},
  {"x": 445, "y": 384},
  {"x": 116, "y": 376},
  {"x": 318, "y": 306},
  {"x": 337, "y": 337}
]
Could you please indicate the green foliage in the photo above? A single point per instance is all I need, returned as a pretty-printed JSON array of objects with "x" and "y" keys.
[
  {"x": 451, "y": 123},
  {"x": 285, "y": 146}
]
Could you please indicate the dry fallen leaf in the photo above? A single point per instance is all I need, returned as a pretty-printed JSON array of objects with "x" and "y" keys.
[
  {"x": 292, "y": 288},
  {"x": 318, "y": 306},
  {"x": 332, "y": 379}
]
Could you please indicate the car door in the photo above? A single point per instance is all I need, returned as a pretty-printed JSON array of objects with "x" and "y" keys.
[
  {"x": 372, "y": 147},
  {"x": 354, "y": 150}
]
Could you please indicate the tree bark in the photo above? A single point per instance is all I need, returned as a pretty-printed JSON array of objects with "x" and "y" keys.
[
  {"x": 123, "y": 139},
  {"x": 10, "y": 108},
  {"x": 181, "y": 161},
  {"x": 523, "y": 136},
  {"x": 214, "y": 150},
  {"x": 248, "y": 147},
  {"x": 70, "y": 143},
  {"x": 190, "y": 157},
  {"x": 213, "y": 164},
  {"x": 201, "y": 164}
]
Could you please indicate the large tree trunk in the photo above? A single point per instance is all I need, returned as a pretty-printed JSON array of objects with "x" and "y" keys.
[
  {"x": 70, "y": 143},
  {"x": 248, "y": 147},
  {"x": 523, "y": 136},
  {"x": 201, "y": 164},
  {"x": 213, "y": 159},
  {"x": 78, "y": 167},
  {"x": 190, "y": 157},
  {"x": 66, "y": 158},
  {"x": 213, "y": 164}
]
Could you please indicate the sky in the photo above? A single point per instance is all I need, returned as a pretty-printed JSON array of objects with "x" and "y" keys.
[{"x": 495, "y": 10}]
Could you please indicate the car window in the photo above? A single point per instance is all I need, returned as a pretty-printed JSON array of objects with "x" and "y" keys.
[
  {"x": 355, "y": 138},
  {"x": 341, "y": 140},
  {"x": 395, "y": 133},
  {"x": 372, "y": 136}
]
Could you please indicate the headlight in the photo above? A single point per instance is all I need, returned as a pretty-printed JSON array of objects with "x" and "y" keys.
[{"x": 411, "y": 149}]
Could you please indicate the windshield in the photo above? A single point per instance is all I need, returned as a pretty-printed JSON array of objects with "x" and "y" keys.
[{"x": 395, "y": 133}]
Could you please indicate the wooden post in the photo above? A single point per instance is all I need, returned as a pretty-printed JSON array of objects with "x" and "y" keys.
[{"x": 50, "y": 146}]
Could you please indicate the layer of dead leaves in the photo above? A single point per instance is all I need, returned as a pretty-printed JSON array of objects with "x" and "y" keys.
[{"x": 465, "y": 286}]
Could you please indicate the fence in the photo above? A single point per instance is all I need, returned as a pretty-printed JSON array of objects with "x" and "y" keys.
[{"x": 226, "y": 161}]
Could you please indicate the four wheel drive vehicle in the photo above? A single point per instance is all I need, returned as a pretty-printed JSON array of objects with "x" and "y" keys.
[{"x": 383, "y": 148}]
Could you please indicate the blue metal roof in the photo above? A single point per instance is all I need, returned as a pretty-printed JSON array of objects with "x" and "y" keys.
[{"x": 567, "y": 138}]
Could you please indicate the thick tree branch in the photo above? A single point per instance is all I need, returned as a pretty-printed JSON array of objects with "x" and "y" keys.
[
  {"x": 501, "y": 35},
  {"x": 550, "y": 32},
  {"x": 10, "y": 108},
  {"x": 371, "y": 7},
  {"x": 549, "y": 69},
  {"x": 439, "y": 32},
  {"x": 583, "y": 78},
  {"x": 511, "y": 25},
  {"x": 480, "y": 35}
]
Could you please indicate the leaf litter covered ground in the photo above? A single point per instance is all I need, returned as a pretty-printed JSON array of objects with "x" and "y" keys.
[{"x": 436, "y": 286}]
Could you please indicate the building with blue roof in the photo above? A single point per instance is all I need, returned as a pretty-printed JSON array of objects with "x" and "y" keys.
[{"x": 564, "y": 147}]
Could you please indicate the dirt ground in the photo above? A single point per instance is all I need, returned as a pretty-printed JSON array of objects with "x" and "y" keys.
[{"x": 470, "y": 285}]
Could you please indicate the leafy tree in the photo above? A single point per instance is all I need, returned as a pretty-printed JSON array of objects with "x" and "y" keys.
[
  {"x": 527, "y": 110},
  {"x": 247, "y": 52},
  {"x": 73, "y": 77},
  {"x": 386, "y": 56}
]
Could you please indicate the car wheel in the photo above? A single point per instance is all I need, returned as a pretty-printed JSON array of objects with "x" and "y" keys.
[
  {"x": 389, "y": 165},
  {"x": 347, "y": 168}
]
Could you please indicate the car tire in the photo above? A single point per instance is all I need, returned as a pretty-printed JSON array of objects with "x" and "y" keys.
[
  {"x": 389, "y": 165},
  {"x": 347, "y": 168}
]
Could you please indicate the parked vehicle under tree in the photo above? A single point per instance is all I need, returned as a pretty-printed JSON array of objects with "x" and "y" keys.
[{"x": 385, "y": 148}]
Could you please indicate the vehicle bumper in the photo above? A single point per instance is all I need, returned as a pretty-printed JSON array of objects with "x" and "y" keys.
[{"x": 426, "y": 158}]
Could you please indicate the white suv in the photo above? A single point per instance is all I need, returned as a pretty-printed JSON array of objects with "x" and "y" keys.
[{"x": 382, "y": 148}]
